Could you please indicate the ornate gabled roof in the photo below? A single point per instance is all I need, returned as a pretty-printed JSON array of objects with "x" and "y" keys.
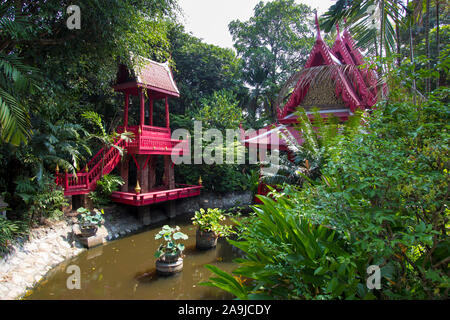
[
  {"x": 355, "y": 54},
  {"x": 355, "y": 76},
  {"x": 148, "y": 74},
  {"x": 350, "y": 87}
]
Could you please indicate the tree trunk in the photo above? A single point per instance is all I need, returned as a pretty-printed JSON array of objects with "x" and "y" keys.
[
  {"x": 427, "y": 44},
  {"x": 411, "y": 53},
  {"x": 381, "y": 29},
  {"x": 397, "y": 35},
  {"x": 438, "y": 51}
]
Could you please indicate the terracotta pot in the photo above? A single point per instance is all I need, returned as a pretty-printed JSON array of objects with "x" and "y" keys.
[
  {"x": 169, "y": 268},
  {"x": 206, "y": 240},
  {"x": 88, "y": 231}
]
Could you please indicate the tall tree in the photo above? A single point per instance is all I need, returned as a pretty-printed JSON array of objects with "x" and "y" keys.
[
  {"x": 273, "y": 44},
  {"x": 200, "y": 69}
]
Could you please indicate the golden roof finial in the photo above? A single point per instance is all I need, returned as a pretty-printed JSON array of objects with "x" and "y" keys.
[
  {"x": 57, "y": 168},
  {"x": 200, "y": 181}
]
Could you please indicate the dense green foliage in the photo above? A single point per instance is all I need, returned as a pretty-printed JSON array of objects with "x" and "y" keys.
[
  {"x": 382, "y": 200},
  {"x": 220, "y": 111},
  {"x": 50, "y": 75}
]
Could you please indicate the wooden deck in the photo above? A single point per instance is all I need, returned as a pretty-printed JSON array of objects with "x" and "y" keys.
[{"x": 155, "y": 196}]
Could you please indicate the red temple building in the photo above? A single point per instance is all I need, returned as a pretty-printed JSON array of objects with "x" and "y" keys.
[
  {"x": 346, "y": 90},
  {"x": 150, "y": 82}
]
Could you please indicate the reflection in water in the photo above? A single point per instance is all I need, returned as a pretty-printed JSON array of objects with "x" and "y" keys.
[{"x": 125, "y": 269}]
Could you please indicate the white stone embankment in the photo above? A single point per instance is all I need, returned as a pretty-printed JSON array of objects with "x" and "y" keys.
[{"x": 45, "y": 247}]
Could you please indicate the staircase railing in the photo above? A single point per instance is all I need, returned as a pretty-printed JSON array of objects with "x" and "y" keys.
[{"x": 84, "y": 182}]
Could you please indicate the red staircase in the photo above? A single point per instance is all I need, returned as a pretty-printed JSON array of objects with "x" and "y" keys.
[{"x": 85, "y": 182}]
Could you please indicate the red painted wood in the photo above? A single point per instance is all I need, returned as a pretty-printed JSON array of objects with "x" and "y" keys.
[
  {"x": 167, "y": 113},
  {"x": 146, "y": 161},
  {"x": 143, "y": 199},
  {"x": 125, "y": 116},
  {"x": 151, "y": 112},
  {"x": 135, "y": 161},
  {"x": 142, "y": 105},
  {"x": 84, "y": 182}
]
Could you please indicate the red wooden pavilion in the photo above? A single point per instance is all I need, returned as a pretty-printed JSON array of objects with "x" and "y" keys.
[
  {"x": 340, "y": 95},
  {"x": 150, "y": 81}
]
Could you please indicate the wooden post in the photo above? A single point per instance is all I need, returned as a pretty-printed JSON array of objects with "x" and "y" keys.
[
  {"x": 142, "y": 99},
  {"x": 142, "y": 175},
  {"x": 124, "y": 166},
  {"x": 125, "y": 116},
  {"x": 151, "y": 112},
  {"x": 169, "y": 177},
  {"x": 151, "y": 172},
  {"x": 167, "y": 113}
]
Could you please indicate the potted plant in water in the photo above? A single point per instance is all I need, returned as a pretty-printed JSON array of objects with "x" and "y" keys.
[
  {"x": 89, "y": 221},
  {"x": 210, "y": 227},
  {"x": 170, "y": 253}
]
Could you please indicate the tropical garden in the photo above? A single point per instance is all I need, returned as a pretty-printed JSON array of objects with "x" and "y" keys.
[{"x": 370, "y": 192}]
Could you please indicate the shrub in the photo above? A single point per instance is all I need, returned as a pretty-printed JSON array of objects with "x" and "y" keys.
[
  {"x": 8, "y": 230},
  {"x": 43, "y": 198},
  {"x": 105, "y": 187}
]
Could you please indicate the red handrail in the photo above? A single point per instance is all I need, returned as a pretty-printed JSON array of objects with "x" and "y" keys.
[{"x": 83, "y": 182}]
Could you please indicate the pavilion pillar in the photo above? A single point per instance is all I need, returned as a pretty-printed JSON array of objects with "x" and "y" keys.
[
  {"x": 169, "y": 176},
  {"x": 125, "y": 111},
  {"x": 167, "y": 113},
  {"x": 142, "y": 103},
  {"x": 124, "y": 169},
  {"x": 151, "y": 172},
  {"x": 142, "y": 172},
  {"x": 151, "y": 111}
]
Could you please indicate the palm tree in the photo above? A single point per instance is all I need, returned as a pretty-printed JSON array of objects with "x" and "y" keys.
[
  {"x": 371, "y": 22},
  {"x": 17, "y": 80},
  {"x": 60, "y": 143}
]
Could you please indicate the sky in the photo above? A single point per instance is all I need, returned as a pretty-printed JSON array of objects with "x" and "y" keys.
[{"x": 209, "y": 19}]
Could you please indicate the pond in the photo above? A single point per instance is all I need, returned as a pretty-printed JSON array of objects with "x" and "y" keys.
[{"x": 125, "y": 269}]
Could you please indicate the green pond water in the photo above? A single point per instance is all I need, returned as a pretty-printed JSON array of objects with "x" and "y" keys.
[{"x": 125, "y": 269}]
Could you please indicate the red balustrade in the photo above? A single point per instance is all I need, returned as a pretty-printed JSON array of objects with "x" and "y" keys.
[
  {"x": 151, "y": 197},
  {"x": 153, "y": 140},
  {"x": 84, "y": 182}
]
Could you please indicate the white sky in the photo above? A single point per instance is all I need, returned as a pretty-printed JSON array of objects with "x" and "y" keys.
[{"x": 209, "y": 19}]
